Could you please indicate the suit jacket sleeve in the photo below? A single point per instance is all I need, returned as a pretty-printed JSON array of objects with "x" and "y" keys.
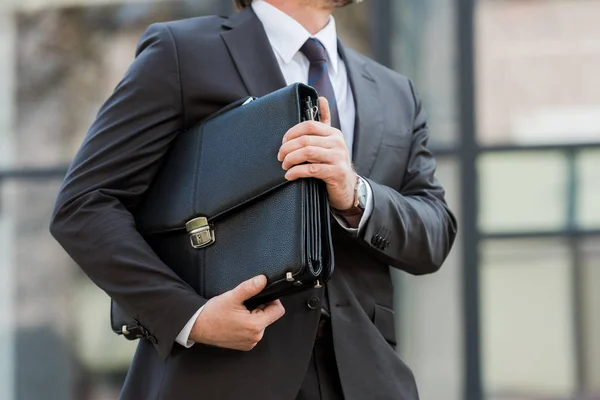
[
  {"x": 412, "y": 228},
  {"x": 111, "y": 172}
]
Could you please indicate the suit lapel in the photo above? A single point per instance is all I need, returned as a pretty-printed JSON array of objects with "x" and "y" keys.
[
  {"x": 252, "y": 53},
  {"x": 368, "y": 128}
]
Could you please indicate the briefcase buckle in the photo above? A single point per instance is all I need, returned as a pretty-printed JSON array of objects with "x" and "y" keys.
[{"x": 201, "y": 233}]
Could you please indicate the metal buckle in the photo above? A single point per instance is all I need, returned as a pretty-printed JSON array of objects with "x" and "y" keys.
[
  {"x": 314, "y": 113},
  {"x": 201, "y": 234}
]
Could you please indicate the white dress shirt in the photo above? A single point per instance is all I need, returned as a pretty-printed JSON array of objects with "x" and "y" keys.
[{"x": 286, "y": 36}]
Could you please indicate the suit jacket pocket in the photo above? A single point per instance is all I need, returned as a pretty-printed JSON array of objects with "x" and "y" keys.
[{"x": 384, "y": 322}]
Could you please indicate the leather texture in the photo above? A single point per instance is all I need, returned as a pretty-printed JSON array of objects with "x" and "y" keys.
[
  {"x": 223, "y": 162},
  {"x": 226, "y": 169}
]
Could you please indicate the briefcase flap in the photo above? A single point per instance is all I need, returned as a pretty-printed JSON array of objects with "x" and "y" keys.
[{"x": 224, "y": 162}]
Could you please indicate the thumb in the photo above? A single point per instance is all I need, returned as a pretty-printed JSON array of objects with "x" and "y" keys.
[
  {"x": 249, "y": 288},
  {"x": 325, "y": 112}
]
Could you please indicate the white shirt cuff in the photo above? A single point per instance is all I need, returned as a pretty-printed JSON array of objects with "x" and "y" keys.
[
  {"x": 363, "y": 219},
  {"x": 184, "y": 336}
]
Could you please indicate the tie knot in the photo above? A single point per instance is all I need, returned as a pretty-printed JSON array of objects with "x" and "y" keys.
[{"x": 314, "y": 51}]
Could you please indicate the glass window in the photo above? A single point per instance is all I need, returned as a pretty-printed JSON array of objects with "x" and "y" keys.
[
  {"x": 591, "y": 316},
  {"x": 424, "y": 49},
  {"x": 448, "y": 173},
  {"x": 589, "y": 189},
  {"x": 526, "y": 316},
  {"x": 537, "y": 68},
  {"x": 7, "y": 284},
  {"x": 522, "y": 191}
]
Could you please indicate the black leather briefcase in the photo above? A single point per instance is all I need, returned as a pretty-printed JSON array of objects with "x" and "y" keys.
[{"x": 220, "y": 211}]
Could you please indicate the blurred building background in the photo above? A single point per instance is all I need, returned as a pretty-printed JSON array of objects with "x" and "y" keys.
[{"x": 513, "y": 93}]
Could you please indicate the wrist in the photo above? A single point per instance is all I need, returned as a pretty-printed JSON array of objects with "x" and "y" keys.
[
  {"x": 357, "y": 207},
  {"x": 199, "y": 329}
]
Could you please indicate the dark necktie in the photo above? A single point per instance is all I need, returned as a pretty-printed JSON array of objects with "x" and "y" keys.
[{"x": 318, "y": 76}]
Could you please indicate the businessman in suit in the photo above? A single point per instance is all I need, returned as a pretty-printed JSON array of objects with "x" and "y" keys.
[{"x": 370, "y": 149}]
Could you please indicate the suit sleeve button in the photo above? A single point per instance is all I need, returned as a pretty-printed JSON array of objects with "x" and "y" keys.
[{"x": 313, "y": 303}]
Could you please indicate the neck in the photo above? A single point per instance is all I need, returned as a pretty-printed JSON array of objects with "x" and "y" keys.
[{"x": 313, "y": 15}]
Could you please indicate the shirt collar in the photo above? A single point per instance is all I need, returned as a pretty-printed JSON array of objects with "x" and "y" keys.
[{"x": 287, "y": 36}]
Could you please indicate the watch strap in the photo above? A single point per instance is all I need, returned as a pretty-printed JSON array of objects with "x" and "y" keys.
[{"x": 356, "y": 208}]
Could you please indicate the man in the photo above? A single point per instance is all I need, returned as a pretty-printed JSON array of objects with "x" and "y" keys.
[{"x": 371, "y": 152}]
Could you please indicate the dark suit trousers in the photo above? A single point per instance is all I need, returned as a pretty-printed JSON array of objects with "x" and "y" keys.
[{"x": 322, "y": 381}]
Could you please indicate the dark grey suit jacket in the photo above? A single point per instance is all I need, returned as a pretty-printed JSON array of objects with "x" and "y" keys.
[{"x": 183, "y": 72}]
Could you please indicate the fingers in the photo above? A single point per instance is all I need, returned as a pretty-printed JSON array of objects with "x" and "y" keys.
[
  {"x": 226, "y": 323},
  {"x": 271, "y": 313},
  {"x": 326, "y": 142},
  {"x": 312, "y": 154},
  {"x": 262, "y": 307},
  {"x": 260, "y": 319},
  {"x": 325, "y": 172},
  {"x": 309, "y": 128},
  {"x": 325, "y": 111},
  {"x": 249, "y": 288}
]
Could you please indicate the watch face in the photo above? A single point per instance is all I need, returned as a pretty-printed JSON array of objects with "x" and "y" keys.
[{"x": 362, "y": 194}]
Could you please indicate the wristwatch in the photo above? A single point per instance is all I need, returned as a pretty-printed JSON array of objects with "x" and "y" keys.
[{"x": 360, "y": 199}]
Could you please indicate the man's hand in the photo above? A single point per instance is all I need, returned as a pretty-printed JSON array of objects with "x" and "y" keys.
[
  {"x": 226, "y": 322},
  {"x": 324, "y": 148}
]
